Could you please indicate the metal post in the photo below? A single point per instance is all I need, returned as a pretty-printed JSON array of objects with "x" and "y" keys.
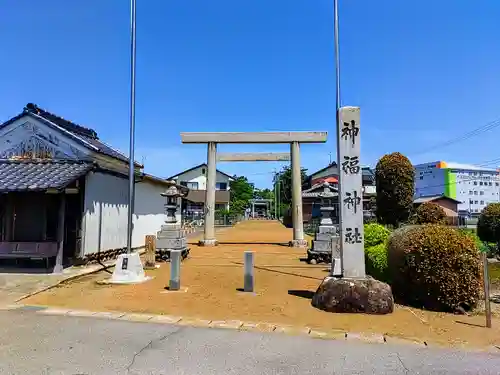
[
  {"x": 337, "y": 121},
  {"x": 175, "y": 270},
  {"x": 248, "y": 280},
  {"x": 486, "y": 285},
  {"x": 131, "y": 174}
]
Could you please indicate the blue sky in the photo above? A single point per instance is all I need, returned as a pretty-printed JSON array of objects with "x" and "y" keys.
[{"x": 421, "y": 71}]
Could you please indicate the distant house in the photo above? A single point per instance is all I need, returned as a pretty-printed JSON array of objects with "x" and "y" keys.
[
  {"x": 330, "y": 174},
  {"x": 312, "y": 200},
  {"x": 196, "y": 180},
  {"x": 62, "y": 188},
  {"x": 449, "y": 205}
]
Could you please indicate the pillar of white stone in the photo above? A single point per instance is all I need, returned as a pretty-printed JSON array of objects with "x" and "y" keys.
[
  {"x": 209, "y": 235},
  {"x": 297, "y": 220}
]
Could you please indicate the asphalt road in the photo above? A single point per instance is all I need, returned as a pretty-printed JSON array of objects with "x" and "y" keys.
[{"x": 36, "y": 344}]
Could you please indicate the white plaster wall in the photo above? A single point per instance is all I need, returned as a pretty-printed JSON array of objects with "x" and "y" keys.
[
  {"x": 106, "y": 209},
  {"x": 196, "y": 175},
  {"x": 105, "y": 213},
  {"x": 148, "y": 211}
]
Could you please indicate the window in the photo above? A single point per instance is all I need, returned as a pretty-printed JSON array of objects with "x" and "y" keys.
[
  {"x": 481, "y": 183},
  {"x": 221, "y": 186},
  {"x": 490, "y": 184},
  {"x": 183, "y": 183},
  {"x": 482, "y": 202},
  {"x": 481, "y": 193},
  {"x": 471, "y": 192},
  {"x": 475, "y": 182},
  {"x": 421, "y": 177},
  {"x": 475, "y": 193},
  {"x": 496, "y": 183},
  {"x": 202, "y": 170},
  {"x": 471, "y": 201},
  {"x": 475, "y": 202},
  {"x": 192, "y": 185}
]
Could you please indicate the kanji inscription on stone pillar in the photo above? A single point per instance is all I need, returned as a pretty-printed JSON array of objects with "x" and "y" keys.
[{"x": 350, "y": 194}]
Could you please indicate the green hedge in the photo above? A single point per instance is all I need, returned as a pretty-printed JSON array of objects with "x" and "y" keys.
[{"x": 376, "y": 237}]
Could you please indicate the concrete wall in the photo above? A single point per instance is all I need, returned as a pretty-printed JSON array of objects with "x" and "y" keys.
[{"x": 106, "y": 209}]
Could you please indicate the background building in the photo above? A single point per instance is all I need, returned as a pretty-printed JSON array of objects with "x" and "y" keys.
[
  {"x": 193, "y": 206},
  {"x": 474, "y": 187}
]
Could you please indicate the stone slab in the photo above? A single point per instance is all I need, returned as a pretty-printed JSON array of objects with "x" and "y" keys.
[
  {"x": 327, "y": 335},
  {"x": 176, "y": 233},
  {"x": 258, "y": 327},
  {"x": 327, "y": 229},
  {"x": 171, "y": 243},
  {"x": 108, "y": 315},
  {"x": 254, "y": 137},
  {"x": 291, "y": 330},
  {"x": 132, "y": 317},
  {"x": 227, "y": 324},
  {"x": 166, "y": 319},
  {"x": 193, "y": 322},
  {"x": 322, "y": 246},
  {"x": 324, "y": 236},
  {"x": 54, "y": 311},
  {"x": 81, "y": 313}
]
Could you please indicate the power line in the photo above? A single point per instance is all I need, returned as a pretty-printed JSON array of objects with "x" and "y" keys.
[{"x": 472, "y": 133}]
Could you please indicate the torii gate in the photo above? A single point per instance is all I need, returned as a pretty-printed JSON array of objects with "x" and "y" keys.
[{"x": 292, "y": 138}]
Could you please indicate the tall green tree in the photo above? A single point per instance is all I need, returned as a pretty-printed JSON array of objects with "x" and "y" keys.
[
  {"x": 395, "y": 181},
  {"x": 284, "y": 179},
  {"x": 241, "y": 191}
]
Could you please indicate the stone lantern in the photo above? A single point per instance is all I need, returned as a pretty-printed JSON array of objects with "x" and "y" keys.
[
  {"x": 172, "y": 236},
  {"x": 326, "y": 238}
]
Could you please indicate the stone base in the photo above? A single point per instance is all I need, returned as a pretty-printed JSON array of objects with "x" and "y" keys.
[
  {"x": 298, "y": 243},
  {"x": 340, "y": 295},
  {"x": 128, "y": 270},
  {"x": 207, "y": 243}
]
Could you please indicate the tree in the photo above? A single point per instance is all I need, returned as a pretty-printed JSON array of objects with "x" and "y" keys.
[
  {"x": 263, "y": 194},
  {"x": 284, "y": 179},
  {"x": 488, "y": 225},
  {"x": 394, "y": 177},
  {"x": 241, "y": 191}
]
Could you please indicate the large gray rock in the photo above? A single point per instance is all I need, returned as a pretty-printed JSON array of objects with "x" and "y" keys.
[{"x": 367, "y": 296}]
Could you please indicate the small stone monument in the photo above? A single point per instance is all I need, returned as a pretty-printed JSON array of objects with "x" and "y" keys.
[
  {"x": 325, "y": 243},
  {"x": 172, "y": 236}
]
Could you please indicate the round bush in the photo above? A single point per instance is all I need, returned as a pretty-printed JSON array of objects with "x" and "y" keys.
[
  {"x": 430, "y": 213},
  {"x": 435, "y": 267},
  {"x": 488, "y": 225},
  {"x": 375, "y": 234},
  {"x": 394, "y": 177},
  {"x": 376, "y": 261}
]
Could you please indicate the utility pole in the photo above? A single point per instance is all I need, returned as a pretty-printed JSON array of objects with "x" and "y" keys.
[{"x": 131, "y": 173}]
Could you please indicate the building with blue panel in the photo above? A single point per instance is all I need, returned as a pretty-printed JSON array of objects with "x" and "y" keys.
[{"x": 472, "y": 185}]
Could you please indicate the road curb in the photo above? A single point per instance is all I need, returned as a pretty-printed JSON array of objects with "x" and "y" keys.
[{"x": 236, "y": 325}]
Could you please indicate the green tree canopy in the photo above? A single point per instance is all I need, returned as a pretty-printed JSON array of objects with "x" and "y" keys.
[
  {"x": 284, "y": 179},
  {"x": 394, "y": 176},
  {"x": 241, "y": 191}
]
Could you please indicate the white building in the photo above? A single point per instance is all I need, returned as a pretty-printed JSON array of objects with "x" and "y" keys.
[
  {"x": 473, "y": 186},
  {"x": 61, "y": 186},
  {"x": 196, "y": 180}
]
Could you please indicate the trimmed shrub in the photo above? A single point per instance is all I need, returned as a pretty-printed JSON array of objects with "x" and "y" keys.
[
  {"x": 488, "y": 225},
  {"x": 376, "y": 237},
  {"x": 394, "y": 176},
  {"x": 375, "y": 234},
  {"x": 430, "y": 213},
  {"x": 435, "y": 267},
  {"x": 376, "y": 261}
]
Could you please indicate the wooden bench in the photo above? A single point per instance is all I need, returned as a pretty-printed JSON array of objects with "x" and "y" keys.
[{"x": 29, "y": 250}]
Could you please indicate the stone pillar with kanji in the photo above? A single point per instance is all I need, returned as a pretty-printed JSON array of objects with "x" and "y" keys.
[{"x": 353, "y": 291}]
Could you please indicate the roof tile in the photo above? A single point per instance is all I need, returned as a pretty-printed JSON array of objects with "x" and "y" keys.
[{"x": 34, "y": 175}]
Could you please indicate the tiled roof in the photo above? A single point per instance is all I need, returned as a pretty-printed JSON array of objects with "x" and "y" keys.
[
  {"x": 33, "y": 175},
  {"x": 87, "y": 134},
  {"x": 432, "y": 198}
]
